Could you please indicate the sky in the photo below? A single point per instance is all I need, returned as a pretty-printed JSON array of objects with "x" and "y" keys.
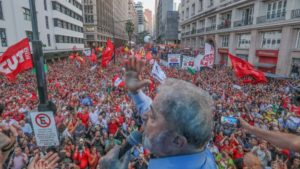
[{"x": 149, "y": 4}]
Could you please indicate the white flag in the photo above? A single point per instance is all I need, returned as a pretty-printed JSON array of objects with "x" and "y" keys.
[
  {"x": 237, "y": 87},
  {"x": 158, "y": 73},
  {"x": 209, "y": 56},
  {"x": 93, "y": 68},
  {"x": 197, "y": 64},
  {"x": 208, "y": 49}
]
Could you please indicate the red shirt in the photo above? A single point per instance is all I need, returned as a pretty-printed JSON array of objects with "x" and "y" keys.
[
  {"x": 59, "y": 119},
  {"x": 113, "y": 127},
  {"x": 84, "y": 118},
  {"x": 121, "y": 119},
  {"x": 237, "y": 154},
  {"x": 226, "y": 148},
  {"x": 19, "y": 116}
]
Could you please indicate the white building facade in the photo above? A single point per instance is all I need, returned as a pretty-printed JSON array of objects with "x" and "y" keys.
[
  {"x": 140, "y": 15},
  {"x": 264, "y": 32},
  {"x": 59, "y": 22}
]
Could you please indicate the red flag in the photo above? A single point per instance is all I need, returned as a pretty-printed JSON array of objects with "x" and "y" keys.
[
  {"x": 72, "y": 56},
  {"x": 93, "y": 57},
  {"x": 244, "y": 69},
  {"x": 107, "y": 54},
  {"x": 80, "y": 59},
  {"x": 149, "y": 56},
  {"x": 16, "y": 59}
]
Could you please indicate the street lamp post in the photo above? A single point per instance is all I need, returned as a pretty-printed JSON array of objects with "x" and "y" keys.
[{"x": 38, "y": 60}]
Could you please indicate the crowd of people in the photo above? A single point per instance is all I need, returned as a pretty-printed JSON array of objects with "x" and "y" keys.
[{"x": 93, "y": 115}]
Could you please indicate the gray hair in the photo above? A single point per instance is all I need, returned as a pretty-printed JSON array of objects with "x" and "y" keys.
[{"x": 188, "y": 108}]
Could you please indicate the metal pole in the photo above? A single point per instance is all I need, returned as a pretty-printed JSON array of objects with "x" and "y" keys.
[
  {"x": 38, "y": 60},
  {"x": 114, "y": 37}
]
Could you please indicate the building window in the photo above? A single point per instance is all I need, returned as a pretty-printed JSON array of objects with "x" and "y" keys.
[
  {"x": 67, "y": 39},
  {"x": 1, "y": 11},
  {"x": 225, "y": 41},
  {"x": 247, "y": 15},
  {"x": 193, "y": 10},
  {"x": 242, "y": 56},
  {"x": 298, "y": 40},
  {"x": 45, "y": 5},
  {"x": 271, "y": 40},
  {"x": 187, "y": 13},
  {"x": 276, "y": 9},
  {"x": 211, "y": 3},
  {"x": 47, "y": 22},
  {"x": 3, "y": 37},
  {"x": 244, "y": 41},
  {"x": 200, "y": 5},
  {"x": 26, "y": 13},
  {"x": 29, "y": 35},
  {"x": 48, "y": 39}
]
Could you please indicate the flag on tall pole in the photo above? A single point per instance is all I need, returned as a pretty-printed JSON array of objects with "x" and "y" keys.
[
  {"x": 16, "y": 59},
  {"x": 244, "y": 69},
  {"x": 158, "y": 73},
  {"x": 107, "y": 53}
]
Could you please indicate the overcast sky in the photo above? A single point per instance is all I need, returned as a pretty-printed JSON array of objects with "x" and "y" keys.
[{"x": 149, "y": 4}]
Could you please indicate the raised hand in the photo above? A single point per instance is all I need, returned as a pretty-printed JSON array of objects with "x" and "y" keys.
[
  {"x": 133, "y": 69},
  {"x": 50, "y": 161}
]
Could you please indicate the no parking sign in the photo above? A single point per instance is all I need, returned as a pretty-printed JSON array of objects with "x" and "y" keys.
[{"x": 44, "y": 129}]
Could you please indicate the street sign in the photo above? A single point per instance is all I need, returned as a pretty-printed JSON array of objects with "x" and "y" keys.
[{"x": 44, "y": 129}]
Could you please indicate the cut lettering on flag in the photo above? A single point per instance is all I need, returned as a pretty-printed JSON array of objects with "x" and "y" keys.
[
  {"x": 16, "y": 59},
  {"x": 243, "y": 69},
  {"x": 209, "y": 56},
  {"x": 158, "y": 73},
  {"x": 107, "y": 54},
  {"x": 118, "y": 82}
]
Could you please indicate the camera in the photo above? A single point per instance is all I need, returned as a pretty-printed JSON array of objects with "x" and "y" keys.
[{"x": 295, "y": 91}]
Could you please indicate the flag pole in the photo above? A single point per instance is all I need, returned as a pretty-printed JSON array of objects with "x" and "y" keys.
[{"x": 38, "y": 60}]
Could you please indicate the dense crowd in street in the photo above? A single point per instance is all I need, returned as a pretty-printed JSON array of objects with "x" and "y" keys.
[{"x": 93, "y": 115}]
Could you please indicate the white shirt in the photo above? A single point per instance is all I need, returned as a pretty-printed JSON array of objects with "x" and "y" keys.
[{"x": 94, "y": 118}]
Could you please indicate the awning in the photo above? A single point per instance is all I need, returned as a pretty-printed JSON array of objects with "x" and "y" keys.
[
  {"x": 276, "y": 76},
  {"x": 265, "y": 65}
]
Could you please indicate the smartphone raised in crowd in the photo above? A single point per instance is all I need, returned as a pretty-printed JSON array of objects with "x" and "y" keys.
[{"x": 230, "y": 120}]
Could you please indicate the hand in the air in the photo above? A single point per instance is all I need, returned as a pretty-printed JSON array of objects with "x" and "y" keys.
[
  {"x": 133, "y": 69},
  {"x": 50, "y": 161},
  {"x": 111, "y": 160}
]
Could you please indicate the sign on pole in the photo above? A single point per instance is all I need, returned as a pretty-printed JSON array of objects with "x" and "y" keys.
[{"x": 44, "y": 129}]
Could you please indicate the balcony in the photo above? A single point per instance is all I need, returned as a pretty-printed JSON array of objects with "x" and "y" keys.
[
  {"x": 296, "y": 13},
  {"x": 201, "y": 30},
  {"x": 193, "y": 32},
  {"x": 271, "y": 18},
  {"x": 242, "y": 23},
  {"x": 224, "y": 25},
  {"x": 211, "y": 28}
]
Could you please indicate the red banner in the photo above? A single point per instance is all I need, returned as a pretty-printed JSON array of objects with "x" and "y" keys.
[{"x": 16, "y": 59}]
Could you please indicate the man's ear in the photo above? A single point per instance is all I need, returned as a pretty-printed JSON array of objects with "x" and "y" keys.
[{"x": 179, "y": 141}]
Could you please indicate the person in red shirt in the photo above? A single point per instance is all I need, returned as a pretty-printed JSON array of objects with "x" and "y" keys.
[
  {"x": 113, "y": 126},
  {"x": 233, "y": 141},
  {"x": 81, "y": 155},
  {"x": 238, "y": 153},
  {"x": 18, "y": 116},
  {"x": 224, "y": 145},
  {"x": 84, "y": 116}
]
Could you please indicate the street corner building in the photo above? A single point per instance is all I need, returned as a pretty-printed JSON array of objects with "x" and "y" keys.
[
  {"x": 265, "y": 33},
  {"x": 60, "y": 24}
]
